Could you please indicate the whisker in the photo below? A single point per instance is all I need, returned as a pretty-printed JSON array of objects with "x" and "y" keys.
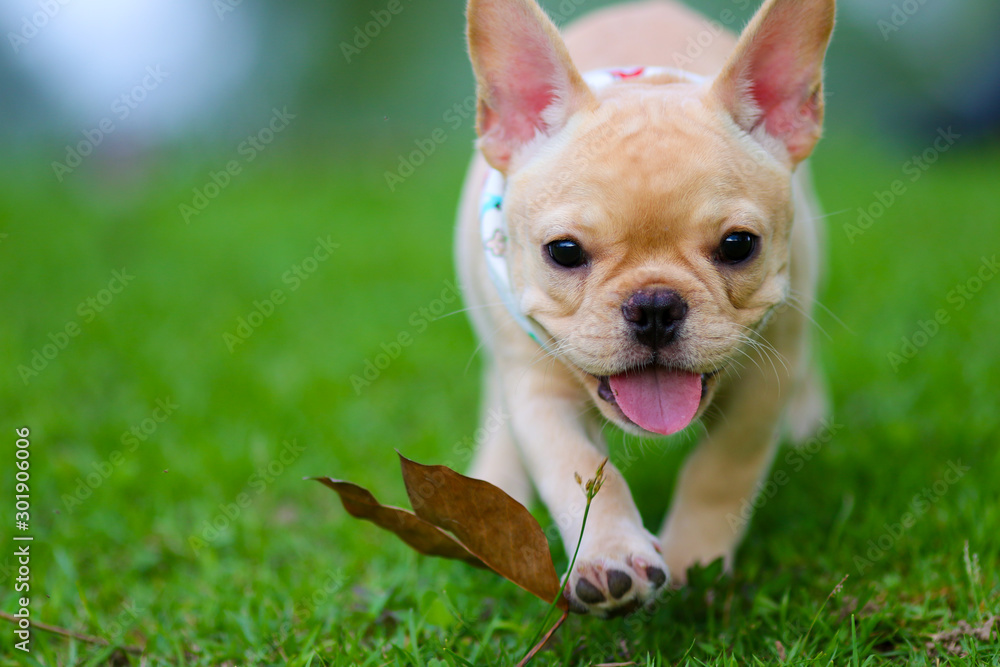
[
  {"x": 793, "y": 302},
  {"x": 760, "y": 343},
  {"x": 483, "y": 341},
  {"x": 834, "y": 316},
  {"x": 830, "y": 215},
  {"x": 466, "y": 310}
]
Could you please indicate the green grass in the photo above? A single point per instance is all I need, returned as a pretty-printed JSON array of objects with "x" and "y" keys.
[{"x": 292, "y": 579}]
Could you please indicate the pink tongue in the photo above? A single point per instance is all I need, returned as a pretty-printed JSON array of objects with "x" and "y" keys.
[{"x": 658, "y": 399}]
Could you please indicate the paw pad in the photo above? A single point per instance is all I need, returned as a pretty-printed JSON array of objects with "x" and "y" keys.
[
  {"x": 588, "y": 592},
  {"x": 619, "y": 583},
  {"x": 657, "y": 576}
]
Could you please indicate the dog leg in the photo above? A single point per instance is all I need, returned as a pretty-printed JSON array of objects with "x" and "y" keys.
[
  {"x": 704, "y": 521},
  {"x": 619, "y": 567},
  {"x": 497, "y": 459},
  {"x": 723, "y": 473}
]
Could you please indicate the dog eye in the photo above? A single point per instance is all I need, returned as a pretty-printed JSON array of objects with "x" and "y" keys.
[
  {"x": 737, "y": 247},
  {"x": 566, "y": 253}
]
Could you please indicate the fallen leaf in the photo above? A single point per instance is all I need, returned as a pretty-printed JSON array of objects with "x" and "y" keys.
[
  {"x": 488, "y": 528},
  {"x": 494, "y": 527},
  {"x": 950, "y": 640},
  {"x": 416, "y": 532}
]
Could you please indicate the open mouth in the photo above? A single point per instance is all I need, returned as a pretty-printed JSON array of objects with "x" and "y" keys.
[{"x": 658, "y": 399}]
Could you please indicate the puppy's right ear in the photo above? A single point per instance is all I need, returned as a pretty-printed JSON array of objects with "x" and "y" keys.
[{"x": 525, "y": 80}]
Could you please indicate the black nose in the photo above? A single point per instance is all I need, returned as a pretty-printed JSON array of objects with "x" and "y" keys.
[{"x": 655, "y": 316}]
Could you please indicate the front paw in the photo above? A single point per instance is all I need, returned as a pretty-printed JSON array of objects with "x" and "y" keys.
[{"x": 615, "y": 580}]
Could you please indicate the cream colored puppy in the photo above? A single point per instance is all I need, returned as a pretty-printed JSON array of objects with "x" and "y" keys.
[{"x": 636, "y": 245}]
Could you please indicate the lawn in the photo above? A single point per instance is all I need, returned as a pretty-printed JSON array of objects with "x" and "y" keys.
[{"x": 188, "y": 394}]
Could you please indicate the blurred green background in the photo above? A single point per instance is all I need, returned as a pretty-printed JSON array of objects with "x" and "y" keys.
[{"x": 201, "y": 259}]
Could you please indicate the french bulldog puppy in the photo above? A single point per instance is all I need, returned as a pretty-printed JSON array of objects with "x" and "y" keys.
[{"x": 638, "y": 246}]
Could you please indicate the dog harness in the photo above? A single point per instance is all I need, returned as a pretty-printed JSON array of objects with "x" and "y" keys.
[{"x": 493, "y": 222}]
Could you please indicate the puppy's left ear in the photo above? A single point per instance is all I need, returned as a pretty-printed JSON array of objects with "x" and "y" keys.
[
  {"x": 526, "y": 83},
  {"x": 773, "y": 82}
]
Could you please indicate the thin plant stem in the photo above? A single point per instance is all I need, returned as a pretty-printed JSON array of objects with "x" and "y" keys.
[
  {"x": 87, "y": 639},
  {"x": 591, "y": 489}
]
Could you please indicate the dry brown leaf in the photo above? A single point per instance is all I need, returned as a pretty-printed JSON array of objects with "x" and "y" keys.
[
  {"x": 488, "y": 528},
  {"x": 496, "y": 528},
  {"x": 422, "y": 536},
  {"x": 950, "y": 640}
]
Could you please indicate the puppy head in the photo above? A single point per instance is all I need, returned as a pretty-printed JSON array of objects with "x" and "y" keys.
[{"x": 649, "y": 222}]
